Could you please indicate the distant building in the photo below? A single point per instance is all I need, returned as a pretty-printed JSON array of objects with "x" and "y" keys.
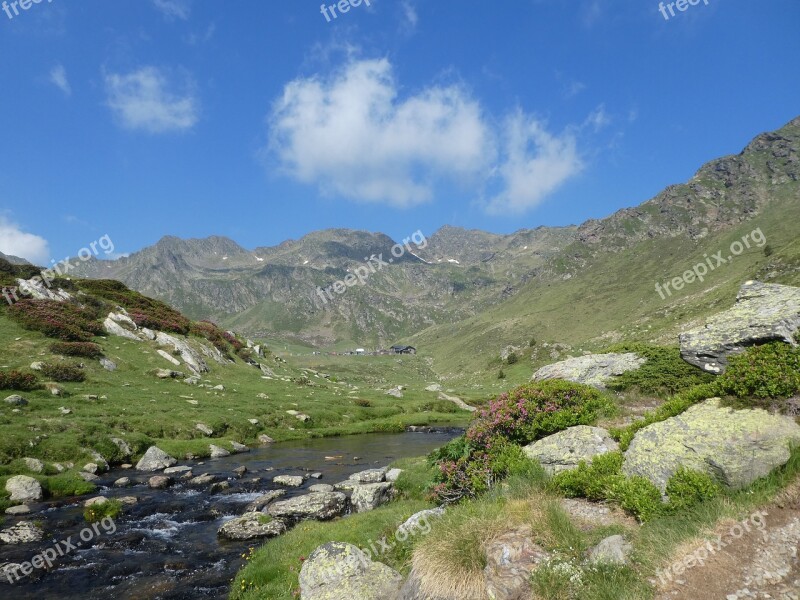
[
  {"x": 360, "y": 351},
  {"x": 403, "y": 350}
]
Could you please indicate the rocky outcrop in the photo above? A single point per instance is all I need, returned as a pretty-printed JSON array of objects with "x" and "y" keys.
[
  {"x": 319, "y": 506},
  {"x": 594, "y": 369},
  {"x": 510, "y": 560},
  {"x": 250, "y": 526},
  {"x": 764, "y": 312},
  {"x": 736, "y": 447},
  {"x": 565, "y": 449},
  {"x": 337, "y": 570},
  {"x": 112, "y": 327},
  {"x": 189, "y": 355},
  {"x": 155, "y": 459},
  {"x": 370, "y": 496},
  {"x": 24, "y": 489}
]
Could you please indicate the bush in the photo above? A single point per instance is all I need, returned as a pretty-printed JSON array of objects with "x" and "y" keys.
[
  {"x": 82, "y": 349},
  {"x": 501, "y": 374},
  {"x": 63, "y": 372},
  {"x": 512, "y": 358},
  {"x": 767, "y": 372},
  {"x": 211, "y": 332},
  {"x": 110, "y": 509},
  {"x": 687, "y": 488},
  {"x": 664, "y": 373},
  {"x": 65, "y": 321},
  {"x": 17, "y": 380}
]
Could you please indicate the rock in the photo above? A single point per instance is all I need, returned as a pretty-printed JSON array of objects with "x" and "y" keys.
[
  {"x": 457, "y": 401},
  {"x": 168, "y": 357},
  {"x": 177, "y": 470},
  {"x": 240, "y": 471},
  {"x": 370, "y": 496},
  {"x": 510, "y": 560},
  {"x": 217, "y": 452},
  {"x": 397, "y": 392},
  {"x": 96, "y": 501},
  {"x": 113, "y": 328},
  {"x": 204, "y": 429},
  {"x": 413, "y": 590},
  {"x": 24, "y": 489},
  {"x": 316, "y": 475},
  {"x": 90, "y": 477},
  {"x": 90, "y": 468},
  {"x": 33, "y": 464},
  {"x": 419, "y": 521},
  {"x": 262, "y": 501},
  {"x": 21, "y": 509},
  {"x": 54, "y": 389},
  {"x": 65, "y": 411},
  {"x": 204, "y": 479},
  {"x": 265, "y": 439},
  {"x": 159, "y": 482},
  {"x": 593, "y": 369},
  {"x": 434, "y": 387},
  {"x": 591, "y": 515},
  {"x": 613, "y": 550},
  {"x": 564, "y": 450},
  {"x": 16, "y": 400},
  {"x": 320, "y": 506},
  {"x": 321, "y": 487},
  {"x": 155, "y": 459},
  {"x": 188, "y": 354},
  {"x": 219, "y": 486},
  {"x": 250, "y": 526},
  {"x": 122, "y": 482},
  {"x": 337, "y": 570},
  {"x": 108, "y": 365},
  {"x": 23, "y": 532},
  {"x": 124, "y": 449},
  {"x": 37, "y": 366},
  {"x": 239, "y": 448},
  {"x": 219, "y": 388},
  {"x": 347, "y": 485},
  {"x": 736, "y": 447},
  {"x": 763, "y": 312},
  {"x": 262, "y": 396},
  {"x": 370, "y": 475},
  {"x": 128, "y": 500},
  {"x": 192, "y": 380},
  {"x": 252, "y": 421},
  {"x": 168, "y": 374},
  {"x": 266, "y": 371},
  {"x": 288, "y": 480},
  {"x": 303, "y": 417}
]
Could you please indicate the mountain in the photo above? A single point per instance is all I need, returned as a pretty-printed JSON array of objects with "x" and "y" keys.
[
  {"x": 467, "y": 294},
  {"x": 14, "y": 260}
]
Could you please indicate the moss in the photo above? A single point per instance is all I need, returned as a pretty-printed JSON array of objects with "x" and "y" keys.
[{"x": 110, "y": 509}]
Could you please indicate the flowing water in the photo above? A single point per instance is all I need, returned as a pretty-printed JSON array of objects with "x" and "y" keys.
[{"x": 166, "y": 545}]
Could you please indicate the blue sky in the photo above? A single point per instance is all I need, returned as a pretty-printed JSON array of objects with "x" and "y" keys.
[{"x": 263, "y": 121}]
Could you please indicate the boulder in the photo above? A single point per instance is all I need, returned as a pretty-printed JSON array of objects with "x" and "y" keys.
[
  {"x": 113, "y": 328},
  {"x": 419, "y": 521},
  {"x": 18, "y": 510},
  {"x": 251, "y": 526},
  {"x": 239, "y": 448},
  {"x": 204, "y": 479},
  {"x": 593, "y": 369},
  {"x": 370, "y": 475},
  {"x": 217, "y": 452},
  {"x": 23, "y": 532},
  {"x": 262, "y": 501},
  {"x": 397, "y": 392},
  {"x": 565, "y": 449},
  {"x": 159, "y": 482},
  {"x": 320, "y": 506},
  {"x": 124, "y": 449},
  {"x": 16, "y": 400},
  {"x": 108, "y": 365},
  {"x": 33, "y": 464},
  {"x": 370, "y": 496},
  {"x": 288, "y": 480},
  {"x": 168, "y": 374},
  {"x": 122, "y": 482},
  {"x": 337, "y": 570},
  {"x": 763, "y": 312},
  {"x": 434, "y": 387},
  {"x": 168, "y": 357},
  {"x": 189, "y": 355},
  {"x": 321, "y": 487},
  {"x": 510, "y": 560},
  {"x": 265, "y": 439},
  {"x": 613, "y": 550},
  {"x": 204, "y": 429},
  {"x": 24, "y": 489},
  {"x": 155, "y": 459},
  {"x": 736, "y": 447}
]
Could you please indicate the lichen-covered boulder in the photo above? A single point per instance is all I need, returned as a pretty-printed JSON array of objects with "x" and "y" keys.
[
  {"x": 370, "y": 475},
  {"x": 764, "y": 312},
  {"x": 565, "y": 449},
  {"x": 338, "y": 571},
  {"x": 593, "y": 369},
  {"x": 736, "y": 447},
  {"x": 319, "y": 506},
  {"x": 24, "y": 489},
  {"x": 23, "y": 532},
  {"x": 251, "y": 526},
  {"x": 370, "y": 496}
]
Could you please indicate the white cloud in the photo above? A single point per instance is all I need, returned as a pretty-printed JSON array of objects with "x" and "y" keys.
[
  {"x": 535, "y": 163},
  {"x": 598, "y": 119},
  {"x": 352, "y": 135},
  {"x": 410, "y": 14},
  {"x": 174, "y": 9},
  {"x": 58, "y": 77},
  {"x": 145, "y": 99},
  {"x": 16, "y": 242}
]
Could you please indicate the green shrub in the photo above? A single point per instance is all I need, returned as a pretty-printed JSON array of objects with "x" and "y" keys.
[
  {"x": 17, "y": 380},
  {"x": 501, "y": 374},
  {"x": 63, "y": 372},
  {"x": 97, "y": 512},
  {"x": 637, "y": 495},
  {"x": 687, "y": 488},
  {"x": 664, "y": 373},
  {"x": 82, "y": 349},
  {"x": 512, "y": 358},
  {"x": 767, "y": 372},
  {"x": 65, "y": 321}
]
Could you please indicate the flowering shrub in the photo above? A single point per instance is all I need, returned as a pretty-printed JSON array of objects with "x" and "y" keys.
[
  {"x": 65, "y": 321},
  {"x": 82, "y": 349},
  {"x": 222, "y": 340},
  {"x": 17, "y": 380},
  {"x": 63, "y": 372}
]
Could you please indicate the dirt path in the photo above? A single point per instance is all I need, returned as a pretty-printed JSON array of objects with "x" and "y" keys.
[{"x": 756, "y": 557}]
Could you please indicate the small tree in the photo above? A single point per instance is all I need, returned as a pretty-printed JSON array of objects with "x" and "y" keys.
[{"x": 512, "y": 358}]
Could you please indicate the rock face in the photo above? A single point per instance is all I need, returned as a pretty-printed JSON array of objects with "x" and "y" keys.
[
  {"x": 320, "y": 506},
  {"x": 594, "y": 369},
  {"x": 252, "y": 525},
  {"x": 764, "y": 312},
  {"x": 24, "y": 489},
  {"x": 736, "y": 447},
  {"x": 337, "y": 571},
  {"x": 155, "y": 459},
  {"x": 510, "y": 560},
  {"x": 370, "y": 496},
  {"x": 565, "y": 449}
]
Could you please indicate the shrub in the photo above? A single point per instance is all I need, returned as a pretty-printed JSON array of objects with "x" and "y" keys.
[
  {"x": 211, "y": 332},
  {"x": 501, "y": 374},
  {"x": 65, "y": 321},
  {"x": 82, "y": 349},
  {"x": 97, "y": 512},
  {"x": 771, "y": 371},
  {"x": 362, "y": 402},
  {"x": 17, "y": 380},
  {"x": 687, "y": 488},
  {"x": 512, "y": 358},
  {"x": 62, "y": 372},
  {"x": 664, "y": 373}
]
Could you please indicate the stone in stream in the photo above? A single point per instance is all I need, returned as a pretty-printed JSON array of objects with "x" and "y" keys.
[
  {"x": 262, "y": 501},
  {"x": 265, "y": 439},
  {"x": 21, "y": 509},
  {"x": 90, "y": 477},
  {"x": 370, "y": 475},
  {"x": 370, "y": 496},
  {"x": 337, "y": 570},
  {"x": 320, "y": 506},
  {"x": 566, "y": 449},
  {"x": 239, "y": 448},
  {"x": 321, "y": 487},
  {"x": 122, "y": 482},
  {"x": 219, "y": 486},
  {"x": 155, "y": 459},
  {"x": 251, "y": 526},
  {"x": 204, "y": 479},
  {"x": 24, "y": 489},
  {"x": 288, "y": 480},
  {"x": 176, "y": 470},
  {"x": 240, "y": 471},
  {"x": 316, "y": 476},
  {"x": 123, "y": 446},
  {"x": 217, "y": 452},
  {"x": 96, "y": 501},
  {"x": 159, "y": 482},
  {"x": 23, "y": 532}
]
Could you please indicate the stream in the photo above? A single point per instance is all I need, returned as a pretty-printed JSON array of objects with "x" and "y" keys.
[{"x": 166, "y": 545}]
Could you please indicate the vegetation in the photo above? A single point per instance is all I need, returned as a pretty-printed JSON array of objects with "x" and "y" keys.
[
  {"x": 17, "y": 380},
  {"x": 664, "y": 373},
  {"x": 63, "y": 372},
  {"x": 763, "y": 376},
  {"x": 81, "y": 349},
  {"x": 65, "y": 321},
  {"x": 110, "y": 509}
]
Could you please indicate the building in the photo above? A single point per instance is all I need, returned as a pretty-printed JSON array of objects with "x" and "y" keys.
[{"x": 403, "y": 350}]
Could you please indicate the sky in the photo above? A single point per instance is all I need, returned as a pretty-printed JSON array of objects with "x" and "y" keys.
[{"x": 264, "y": 120}]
